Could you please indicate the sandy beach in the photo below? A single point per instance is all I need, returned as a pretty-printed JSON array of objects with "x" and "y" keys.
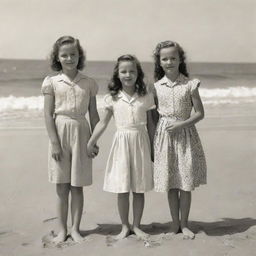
[{"x": 222, "y": 212}]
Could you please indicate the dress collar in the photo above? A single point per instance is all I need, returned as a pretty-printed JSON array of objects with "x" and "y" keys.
[
  {"x": 65, "y": 78},
  {"x": 167, "y": 82},
  {"x": 122, "y": 95}
]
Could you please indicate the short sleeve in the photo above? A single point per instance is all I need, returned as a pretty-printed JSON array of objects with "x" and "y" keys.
[
  {"x": 93, "y": 88},
  {"x": 47, "y": 87},
  {"x": 108, "y": 102},
  {"x": 194, "y": 84},
  {"x": 150, "y": 103}
]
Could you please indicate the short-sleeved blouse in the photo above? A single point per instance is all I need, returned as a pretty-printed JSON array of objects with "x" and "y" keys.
[
  {"x": 131, "y": 111},
  {"x": 71, "y": 97},
  {"x": 175, "y": 99}
]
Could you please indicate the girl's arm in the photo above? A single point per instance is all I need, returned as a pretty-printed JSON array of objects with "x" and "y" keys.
[
  {"x": 151, "y": 127},
  {"x": 198, "y": 107},
  {"x": 98, "y": 130},
  {"x": 196, "y": 117},
  {"x": 155, "y": 114},
  {"x": 50, "y": 126},
  {"x": 93, "y": 113}
]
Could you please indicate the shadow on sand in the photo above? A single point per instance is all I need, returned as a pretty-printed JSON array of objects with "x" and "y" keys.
[{"x": 226, "y": 226}]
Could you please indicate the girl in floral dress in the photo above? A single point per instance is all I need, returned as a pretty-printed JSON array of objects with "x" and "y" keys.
[{"x": 179, "y": 161}]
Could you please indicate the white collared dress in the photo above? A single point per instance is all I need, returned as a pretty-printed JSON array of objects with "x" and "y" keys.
[
  {"x": 129, "y": 166},
  {"x": 71, "y": 104},
  {"x": 179, "y": 160}
]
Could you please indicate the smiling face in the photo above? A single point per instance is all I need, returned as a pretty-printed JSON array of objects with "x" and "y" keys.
[
  {"x": 127, "y": 73},
  {"x": 170, "y": 60},
  {"x": 68, "y": 57}
]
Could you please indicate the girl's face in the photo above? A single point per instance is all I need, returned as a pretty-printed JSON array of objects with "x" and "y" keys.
[
  {"x": 170, "y": 60},
  {"x": 68, "y": 56},
  {"x": 127, "y": 73}
]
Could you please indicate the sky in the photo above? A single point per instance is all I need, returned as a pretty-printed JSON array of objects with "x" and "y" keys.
[{"x": 208, "y": 30}]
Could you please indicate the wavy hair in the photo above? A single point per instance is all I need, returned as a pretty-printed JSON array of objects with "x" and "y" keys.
[
  {"x": 115, "y": 84},
  {"x": 55, "y": 64},
  {"x": 158, "y": 70}
]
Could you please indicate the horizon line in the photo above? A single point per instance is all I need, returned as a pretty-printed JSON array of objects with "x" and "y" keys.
[{"x": 147, "y": 61}]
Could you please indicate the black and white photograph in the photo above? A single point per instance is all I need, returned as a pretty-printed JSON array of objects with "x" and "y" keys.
[{"x": 128, "y": 127}]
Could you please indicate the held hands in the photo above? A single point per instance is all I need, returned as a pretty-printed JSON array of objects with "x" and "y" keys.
[
  {"x": 56, "y": 151},
  {"x": 175, "y": 126},
  {"x": 92, "y": 150}
]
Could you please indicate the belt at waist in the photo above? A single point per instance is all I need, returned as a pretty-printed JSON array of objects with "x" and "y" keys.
[
  {"x": 75, "y": 117},
  {"x": 171, "y": 118},
  {"x": 131, "y": 127}
]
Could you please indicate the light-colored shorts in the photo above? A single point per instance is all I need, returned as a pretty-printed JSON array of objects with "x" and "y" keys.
[{"x": 75, "y": 167}]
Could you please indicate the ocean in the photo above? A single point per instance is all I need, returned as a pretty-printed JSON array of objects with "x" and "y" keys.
[{"x": 227, "y": 89}]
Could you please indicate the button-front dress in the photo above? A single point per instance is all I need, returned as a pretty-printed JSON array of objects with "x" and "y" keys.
[
  {"x": 129, "y": 166},
  {"x": 71, "y": 105},
  {"x": 179, "y": 156}
]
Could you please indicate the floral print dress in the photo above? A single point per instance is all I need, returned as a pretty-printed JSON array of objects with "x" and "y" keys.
[{"x": 179, "y": 156}]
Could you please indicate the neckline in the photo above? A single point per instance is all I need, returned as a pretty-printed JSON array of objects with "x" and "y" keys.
[{"x": 67, "y": 79}]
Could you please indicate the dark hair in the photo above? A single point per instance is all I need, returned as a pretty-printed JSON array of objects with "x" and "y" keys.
[
  {"x": 115, "y": 84},
  {"x": 159, "y": 72},
  {"x": 55, "y": 64}
]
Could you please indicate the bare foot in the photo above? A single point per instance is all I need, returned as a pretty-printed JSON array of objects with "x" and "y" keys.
[
  {"x": 140, "y": 234},
  {"x": 175, "y": 229},
  {"x": 76, "y": 236},
  {"x": 187, "y": 233},
  {"x": 123, "y": 234},
  {"x": 61, "y": 237}
]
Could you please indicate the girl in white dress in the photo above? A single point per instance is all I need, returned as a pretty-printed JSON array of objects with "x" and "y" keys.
[
  {"x": 129, "y": 166},
  {"x": 179, "y": 164}
]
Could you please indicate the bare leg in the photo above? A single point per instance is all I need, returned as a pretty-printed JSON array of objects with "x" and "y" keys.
[
  {"x": 138, "y": 206},
  {"x": 185, "y": 203},
  {"x": 174, "y": 205},
  {"x": 123, "y": 209},
  {"x": 77, "y": 202},
  {"x": 62, "y": 190}
]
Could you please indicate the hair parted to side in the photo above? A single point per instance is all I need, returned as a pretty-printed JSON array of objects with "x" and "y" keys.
[
  {"x": 55, "y": 64},
  {"x": 158, "y": 71},
  {"x": 115, "y": 84}
]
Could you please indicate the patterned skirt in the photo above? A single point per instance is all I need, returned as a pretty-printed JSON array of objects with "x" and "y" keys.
[{"x": 179, "y": 158}]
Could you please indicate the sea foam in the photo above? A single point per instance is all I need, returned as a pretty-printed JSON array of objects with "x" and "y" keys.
[{"x": 216, "y": 96}]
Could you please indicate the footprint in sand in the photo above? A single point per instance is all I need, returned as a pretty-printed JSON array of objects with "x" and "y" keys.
[
  {"x": 47, "y": 241},
  {"x": 111, "y": 241},
  {"x": 148, "y": 243},
  {"x": 228, "y": 241}
]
